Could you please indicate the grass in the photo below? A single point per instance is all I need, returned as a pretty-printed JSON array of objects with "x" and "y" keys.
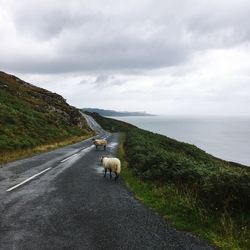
[
  {"x": 185, "y": 212},
  {"x": 219, "y": 185},
  {"x": 22, "y": 126},
  {"x": 193, "y": 190},
  {"x": 35, "y": 120},
  {"x": 18, "y": 154}
]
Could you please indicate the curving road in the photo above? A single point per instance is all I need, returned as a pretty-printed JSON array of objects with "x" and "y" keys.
[{"x": 60, "y": 200}]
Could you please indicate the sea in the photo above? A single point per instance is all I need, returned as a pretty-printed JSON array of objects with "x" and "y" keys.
[{"x": 227, "y": 138}]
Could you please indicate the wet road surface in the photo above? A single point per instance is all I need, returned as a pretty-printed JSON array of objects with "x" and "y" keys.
[{"x": 69, "y": 205}]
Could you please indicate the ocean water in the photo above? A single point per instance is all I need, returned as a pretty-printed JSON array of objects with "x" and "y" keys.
[{"x": 227, "y": 138}]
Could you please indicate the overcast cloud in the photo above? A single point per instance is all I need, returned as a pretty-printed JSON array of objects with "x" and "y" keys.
[{"x": 169, "y": 57}]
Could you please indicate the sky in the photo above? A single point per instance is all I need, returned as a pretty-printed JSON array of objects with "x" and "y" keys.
[{"x": 182, "y": 57}]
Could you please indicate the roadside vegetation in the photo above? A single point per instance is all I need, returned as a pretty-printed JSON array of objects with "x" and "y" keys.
[
  {"x": 190, "y": 188},
  {"x": 32, "y": 118},
  {"x": 12, "y": 155}
]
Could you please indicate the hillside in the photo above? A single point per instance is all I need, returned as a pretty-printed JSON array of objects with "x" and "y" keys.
[
  {"x": 218, "y": 183},
  {"x": 199, "y": 192},
  {"x": 32, "y": 116},
  {"x": 106, "y": 112}
]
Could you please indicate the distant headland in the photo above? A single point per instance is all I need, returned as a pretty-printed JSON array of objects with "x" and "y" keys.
[{"x": 106, "y": 112}]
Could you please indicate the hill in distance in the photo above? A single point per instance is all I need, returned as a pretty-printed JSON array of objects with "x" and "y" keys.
[
  {"x": 32, "y": 116},
  {"x": 106, "y": 112}
]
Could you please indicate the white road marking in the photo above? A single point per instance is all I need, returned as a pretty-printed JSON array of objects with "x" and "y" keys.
[
  {"x": 27, "y": 180},
  {"x": 47, "y": 169},
  {"x": 84, "y": 149},
  {"x": 69, "y": 157}
]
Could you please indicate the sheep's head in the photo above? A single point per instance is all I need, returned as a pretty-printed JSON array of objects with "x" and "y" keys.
[{"x": 102, "y": 157}]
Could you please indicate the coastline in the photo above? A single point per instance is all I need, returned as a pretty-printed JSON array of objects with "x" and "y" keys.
[{"x": 221, "y": 137}]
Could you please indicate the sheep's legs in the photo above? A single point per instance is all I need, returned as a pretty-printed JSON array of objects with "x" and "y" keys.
[
  {"x": 104, "y": 147},
  {"x": 110, "y": 175},
  {"x": 116, "y": 176}
]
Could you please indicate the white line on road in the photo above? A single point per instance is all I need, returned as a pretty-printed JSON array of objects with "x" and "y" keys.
[
  {"x": 84, "y": 149},
  {"x": 27, "y": 180},
  {"x": 69, "y": 157},
  {"x": 47, "y": 169}
]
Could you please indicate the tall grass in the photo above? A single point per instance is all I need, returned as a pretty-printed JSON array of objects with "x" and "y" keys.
[
  {"x": 194, "y": 190},
  {"x": 186, "y": 212}
]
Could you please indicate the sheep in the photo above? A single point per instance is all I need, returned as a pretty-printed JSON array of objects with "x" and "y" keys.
[
  {"x": 100, "y": 142},
  {"x": 112, "y": 164}
]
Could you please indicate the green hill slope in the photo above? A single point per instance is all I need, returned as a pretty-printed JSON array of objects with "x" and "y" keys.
[
  {"x": 32, "y": 116},
  {"x": 219, "y": 184},
  {"x": 193, "y": 189}
]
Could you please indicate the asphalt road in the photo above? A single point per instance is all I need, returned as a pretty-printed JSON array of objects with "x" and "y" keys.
[{"x": 64, "y": 202}]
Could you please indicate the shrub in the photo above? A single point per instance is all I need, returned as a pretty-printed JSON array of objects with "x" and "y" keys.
[{"x": 219, "y": 185}]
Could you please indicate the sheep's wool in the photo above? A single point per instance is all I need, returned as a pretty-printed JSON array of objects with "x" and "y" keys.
[
  {"x": 112, "y": 163},
  {"x": 100, "y": 142}
]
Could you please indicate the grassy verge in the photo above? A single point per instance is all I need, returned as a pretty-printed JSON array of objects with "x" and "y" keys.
[
  {"x": 192, "y": 189},
  {"x": 186, "y": 212},
  {"x": 12, "y": 155}
]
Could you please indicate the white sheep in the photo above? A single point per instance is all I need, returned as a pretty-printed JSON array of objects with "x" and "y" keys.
[
  {"x": 112, "y": 164},
  {"x": 100, "y": 142}
]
